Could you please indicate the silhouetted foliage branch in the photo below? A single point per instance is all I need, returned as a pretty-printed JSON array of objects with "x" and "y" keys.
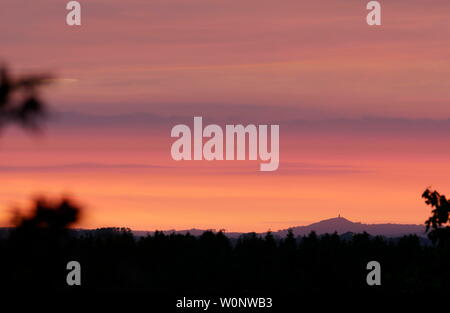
[
  {"x": 46, "y": 219},
  {"x": 438, "y": 224},
  {"x": 19, "y": 99}
]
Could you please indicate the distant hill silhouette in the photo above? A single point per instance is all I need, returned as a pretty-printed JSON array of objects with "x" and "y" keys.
[
  {"x": 339, "y": 225},
  {"x": 342, "y": 225}
]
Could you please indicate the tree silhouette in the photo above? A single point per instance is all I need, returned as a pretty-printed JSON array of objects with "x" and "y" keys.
[
  {"x": 439, "y": 220},
  {"x": 47, "y": 214}
]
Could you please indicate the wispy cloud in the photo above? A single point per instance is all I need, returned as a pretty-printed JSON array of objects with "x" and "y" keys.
[{"x": 77, "y": 166}]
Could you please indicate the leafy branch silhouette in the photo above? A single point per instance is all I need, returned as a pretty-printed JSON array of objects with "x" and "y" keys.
[
  {"x": 19, "y": 99},
  {"x": 439, "y": 220}
]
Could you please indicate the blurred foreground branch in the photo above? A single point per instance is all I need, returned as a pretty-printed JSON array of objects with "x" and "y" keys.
[{"x": 19, "y": 99}]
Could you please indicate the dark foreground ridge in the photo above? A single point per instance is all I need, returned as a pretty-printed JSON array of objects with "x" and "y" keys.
[{"x": 114, "y": 260}]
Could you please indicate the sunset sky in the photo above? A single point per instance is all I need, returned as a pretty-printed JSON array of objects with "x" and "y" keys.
[{"x": 363, "y": 111}]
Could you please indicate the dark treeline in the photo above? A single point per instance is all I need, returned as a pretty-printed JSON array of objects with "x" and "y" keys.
[{"x": 115, "y": 260}]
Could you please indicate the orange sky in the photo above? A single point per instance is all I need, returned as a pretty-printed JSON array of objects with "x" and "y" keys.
[{"x": 363, "y": 111}]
